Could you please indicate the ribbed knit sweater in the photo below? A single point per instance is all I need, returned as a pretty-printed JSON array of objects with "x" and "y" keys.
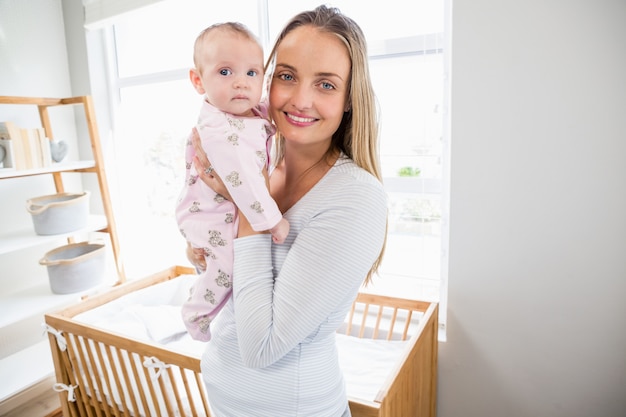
[{"x": 273, "y": 350}]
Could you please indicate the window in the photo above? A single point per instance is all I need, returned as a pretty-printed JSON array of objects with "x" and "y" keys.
[{"x": 157, "y": 107}]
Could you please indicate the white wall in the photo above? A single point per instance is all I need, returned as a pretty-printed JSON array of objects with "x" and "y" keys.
[{"x": 537, "y": 278}]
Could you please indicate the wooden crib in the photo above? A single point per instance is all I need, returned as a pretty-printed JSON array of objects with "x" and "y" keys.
[{"x": 104, "y": 373}]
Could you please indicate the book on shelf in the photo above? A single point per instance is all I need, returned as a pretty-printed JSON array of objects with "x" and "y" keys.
[
  {"x": 44, "y": 143},
  {"x": 32, "y": 149},
  {"x": 29, "y": 146}
]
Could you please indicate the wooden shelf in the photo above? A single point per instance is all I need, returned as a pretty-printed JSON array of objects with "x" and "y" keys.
[{"x": 73, "y": 166}]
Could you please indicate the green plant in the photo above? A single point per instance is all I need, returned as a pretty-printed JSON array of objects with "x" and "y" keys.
[{"x": 409, "y": 172}]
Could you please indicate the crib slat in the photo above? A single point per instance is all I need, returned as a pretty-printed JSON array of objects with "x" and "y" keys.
[
  {"x": 129, "y": 405},
  {"x": 134, "y": 365},
  {"x": 205, "y": 400},
  {"x": 162, "y": 392},
  {"x": 407, "y": 324},
  {"x": 95, "y": 381},
  {"x": 392, "y": 323},
  {"x": 120, "y": 375},
  {"x": 377, "y": 325},
  {"x": 62, "y": 371},
  {"x": 165, "y": 384},
  {"x": 64, "y": 375},
  {"x": 98, "y": 348},
  {"x": 194, "y": 385},
  {"x": 169, "y": 389},
  {"x": 183, "y": 377},
  {"x": 119, "y": 370},
  {"x": 112, "y": 385},
  {"x": 72, "y": 345},
  {"x": 152, "y": 397},
  {"x": 363, "y": 320},
  {"x": 88, "y": 380},
  {"x": 177, "y": 393}
]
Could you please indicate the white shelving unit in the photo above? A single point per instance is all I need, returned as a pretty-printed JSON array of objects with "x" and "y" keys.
[
  {"x": 26, "y": 238},
  {"x": 33, "y": 364}
]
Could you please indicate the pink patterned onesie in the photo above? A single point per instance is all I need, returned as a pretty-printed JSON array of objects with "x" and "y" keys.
[{"x": 238, "y": 150}]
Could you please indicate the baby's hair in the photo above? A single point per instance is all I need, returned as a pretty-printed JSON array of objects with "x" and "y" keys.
[{"x": 233, "y": 27}]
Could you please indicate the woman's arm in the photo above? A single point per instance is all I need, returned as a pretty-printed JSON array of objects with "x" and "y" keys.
[{"x": 338, "y": 238}]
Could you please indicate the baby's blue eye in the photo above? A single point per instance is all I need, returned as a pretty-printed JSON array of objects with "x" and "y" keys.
[
  {"x": 225, "y": 72},
  {"x": 252, "y": 73}
]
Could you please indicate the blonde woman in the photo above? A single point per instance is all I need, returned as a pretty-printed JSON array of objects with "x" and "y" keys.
[{"x": 276, "y": 354}]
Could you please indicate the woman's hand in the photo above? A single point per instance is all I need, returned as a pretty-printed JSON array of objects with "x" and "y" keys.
[{"x": 205, "y": 171}]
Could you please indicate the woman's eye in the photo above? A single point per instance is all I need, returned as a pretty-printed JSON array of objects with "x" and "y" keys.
[
  {"x": 327, "y": 86},
  {"x": 286, "y": 77},
  {"x": 225, "y": 72}
]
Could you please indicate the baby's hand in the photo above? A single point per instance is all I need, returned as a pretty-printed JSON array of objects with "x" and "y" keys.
[
  {"x": 280, "y": 231},
  {"x": 196, "y": 257}
]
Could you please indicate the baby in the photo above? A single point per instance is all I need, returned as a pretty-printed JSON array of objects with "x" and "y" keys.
[{"x": 234, "y": 132}]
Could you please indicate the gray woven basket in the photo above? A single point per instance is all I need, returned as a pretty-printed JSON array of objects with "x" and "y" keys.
[
  {"x": 75, "y": 267},
  {"x": 59, "y": 213}
]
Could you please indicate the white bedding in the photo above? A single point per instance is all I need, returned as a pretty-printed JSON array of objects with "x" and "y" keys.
[{"x": 153, "y": 314}]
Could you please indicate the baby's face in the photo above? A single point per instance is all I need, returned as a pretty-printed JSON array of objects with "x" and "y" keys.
[{"x": 232, "y": 72}]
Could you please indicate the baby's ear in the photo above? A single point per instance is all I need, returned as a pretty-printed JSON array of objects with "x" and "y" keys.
[{"x": 196, "y": 80}]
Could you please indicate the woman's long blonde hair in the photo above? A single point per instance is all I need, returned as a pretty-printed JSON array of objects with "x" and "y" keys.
[{"x": 357, "y": 135}]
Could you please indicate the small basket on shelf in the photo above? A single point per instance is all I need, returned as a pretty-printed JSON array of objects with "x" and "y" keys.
[
  {"x": 59, "y": 213},
  {"x": 75, "y": 267}
]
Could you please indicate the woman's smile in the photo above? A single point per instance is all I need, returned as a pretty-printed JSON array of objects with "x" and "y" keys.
[{"x": 299, "y": 120}]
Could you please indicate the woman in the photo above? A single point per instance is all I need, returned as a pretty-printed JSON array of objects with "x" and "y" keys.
[{"x": 273, "y": 353}]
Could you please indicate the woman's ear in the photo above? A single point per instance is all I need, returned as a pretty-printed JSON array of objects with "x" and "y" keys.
[{"x": 196, "y": 80}]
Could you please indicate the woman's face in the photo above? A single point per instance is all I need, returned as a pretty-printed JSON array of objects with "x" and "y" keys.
[{"x": 309, "y": 89}]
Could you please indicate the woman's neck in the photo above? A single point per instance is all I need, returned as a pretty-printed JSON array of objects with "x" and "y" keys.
[{"x": 297, "y": 174}]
